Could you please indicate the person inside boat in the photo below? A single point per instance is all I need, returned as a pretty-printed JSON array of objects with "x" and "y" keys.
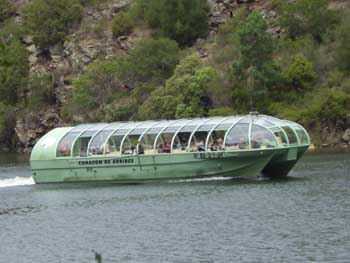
[
  {"x": 141, "y": 150},
  {"x": 242, "y": 144},
  {"x": 83, "y": 152},
  {"x": 220, "y": 143},
  {"x": 166, "y": 148},
  {"x": 214, "y": 146},
  {"x": 64, "y": 149},
  {"x": 201, "y": 146}
]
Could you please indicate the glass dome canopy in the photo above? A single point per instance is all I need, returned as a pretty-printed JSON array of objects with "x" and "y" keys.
[{"x": 230, "y": 133}]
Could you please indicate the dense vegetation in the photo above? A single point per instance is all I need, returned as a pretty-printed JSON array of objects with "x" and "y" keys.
[
  {"x": 301, "y": 73},
  {"x": 49, "y": 21}
]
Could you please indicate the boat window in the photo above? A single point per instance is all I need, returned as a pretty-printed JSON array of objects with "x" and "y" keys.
[
  {"x": 291, "y": 135},
  {"x": 262, "y": 138},
  {"x": 130, "y": 145},
  {"x": 147, "y": 142},
  {"x": 238, "y": 137},
  {"x": 216, "y": 140},
  {"x": 304, "y": 139},
  {"x": 113, "y": 145},
  {"x": 181, "y": 139},
  {"x": 65, "y": 145},
  {"x": 181, "y": 142},
  {"x": 163, "y": 144},
  {"x": 198, "y": 141},
  {"x": 81, "y": 144},
  {"x": 97, "y": 143},
  {"x": 280, "y": 136}
]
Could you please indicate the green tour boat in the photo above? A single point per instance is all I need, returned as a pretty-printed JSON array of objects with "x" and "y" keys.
[{"x": 234, "y": 146}]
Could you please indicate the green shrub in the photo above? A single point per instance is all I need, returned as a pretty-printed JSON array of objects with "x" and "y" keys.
[
  {"x": 342, "y": 51},
  {"x": 185, "y": 94},
  {"x": 14, "y": 69},
  {"x": 6, "y": 9},
  {"x": 7, "y": 124},
  {"x": 49, "y": 21},
  {"x": 121, "y": 24},
  {"x": 41, "y": 91},
  {"x": 181, "y": 20},
  {"x": 151, "y": 60},
  {"x": 308, "y": 17},
  {"x": 300, "y": 74}
]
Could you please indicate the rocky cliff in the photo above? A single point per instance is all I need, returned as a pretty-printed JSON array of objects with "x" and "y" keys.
[{"x": 93, "y": 39}]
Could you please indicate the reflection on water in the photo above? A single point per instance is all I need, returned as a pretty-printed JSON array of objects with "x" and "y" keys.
[{"x": 304, "y": 218}]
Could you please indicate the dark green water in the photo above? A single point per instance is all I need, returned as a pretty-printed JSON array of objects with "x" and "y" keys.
[{"x": 305, "y": 218}]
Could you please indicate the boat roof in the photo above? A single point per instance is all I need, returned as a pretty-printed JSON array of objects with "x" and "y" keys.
[{"x": 47, "y": 146}]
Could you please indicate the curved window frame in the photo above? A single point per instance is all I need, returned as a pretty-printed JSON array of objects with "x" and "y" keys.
[
  {"x": 75, "y": 140},
  {"x": 58, "y": 144},
  {"x": 194, "y": 131},
  {"x": 93, "y": 136},
  {"x": 160, "y": 132},
  {"x": 264, "y": 127},
  {"x": 111, "y": 134},
  {"x": 213, "y": 129},
  {"x": 127, "y": 134},
  {"x": 274, "y": 120},
  {"x": 301, "y": 127},
  {"x": 229, "y": 129}
]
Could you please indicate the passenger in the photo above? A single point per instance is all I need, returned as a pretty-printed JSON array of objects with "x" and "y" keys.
[
  {"x": 64, "y": 149},
  {"x": 242, "y": 144},
  {"x": 83, "y": 152},
  {"x": 133, "y": 150},
  {"x": 256, "y": 141},
  {"x": 220, "y": 143},
  {"x": 166, "y": 148},
  {"x": 141, "y": 150},
  {"x": 214, "y": 147},
  {"x": 201, "y": 146}
]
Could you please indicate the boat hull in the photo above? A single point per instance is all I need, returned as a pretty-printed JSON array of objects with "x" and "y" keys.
[
  {"x": 141, "y": 168},
  {"x": 283, "y": 161}
]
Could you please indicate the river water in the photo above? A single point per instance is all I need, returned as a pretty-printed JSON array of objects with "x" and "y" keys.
[{"x": 305, "y": 218}]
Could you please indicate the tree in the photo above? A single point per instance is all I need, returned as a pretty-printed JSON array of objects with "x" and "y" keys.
[
  {"x": 121, "y": 24},
  {"x": 342, "y": 51},
  {"x": 185, "y": 94},
  {"x": 308, "y": 17},
  {"x": 181, "y": 20},
  {"x": 49, "y": 21},
  {"x": 255, "y": 72},
  {"x": 6, "y": 9},
  {"x": 14, "y": 68},
  {"x": 151, "y": 60},
  {"x": 7, "y": 124},
  {"x": 300, "y": 73}
]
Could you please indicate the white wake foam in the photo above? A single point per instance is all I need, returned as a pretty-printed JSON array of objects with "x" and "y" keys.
[
  {"x": 202, "y": 179},
  {"x": 16, "y": 181}
]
